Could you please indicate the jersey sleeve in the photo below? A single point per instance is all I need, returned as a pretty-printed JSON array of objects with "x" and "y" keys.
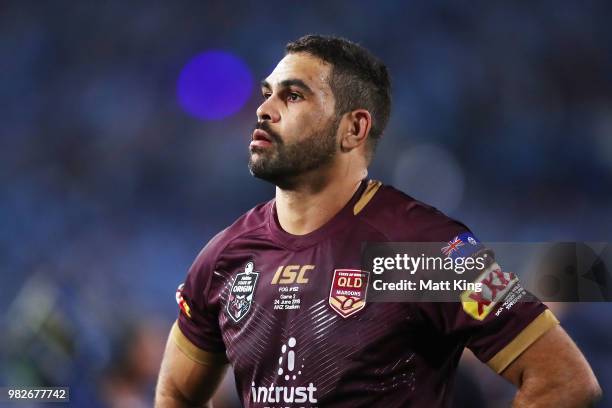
[
  {"x": 498, "y": 322},
  {"x": 196, "y": 331}
]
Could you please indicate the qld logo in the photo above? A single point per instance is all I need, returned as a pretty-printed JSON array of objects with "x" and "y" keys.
[
  {"x": 348, "y": 291},
  {"x": 241, "y": 294}
]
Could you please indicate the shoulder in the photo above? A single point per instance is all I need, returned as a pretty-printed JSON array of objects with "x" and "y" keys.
[{"x": 402, "y": 218}]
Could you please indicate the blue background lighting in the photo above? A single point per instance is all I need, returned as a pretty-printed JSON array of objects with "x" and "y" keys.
[{"x": 214, "y": 85}]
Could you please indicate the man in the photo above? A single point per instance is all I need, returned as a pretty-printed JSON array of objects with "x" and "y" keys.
[{"x": 259, "y": 296}]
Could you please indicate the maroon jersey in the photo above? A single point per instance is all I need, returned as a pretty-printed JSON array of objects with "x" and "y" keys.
[{"x": 273, "y": 305}]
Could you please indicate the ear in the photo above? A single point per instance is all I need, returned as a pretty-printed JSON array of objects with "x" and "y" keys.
[{"x": 358, "y": 125}]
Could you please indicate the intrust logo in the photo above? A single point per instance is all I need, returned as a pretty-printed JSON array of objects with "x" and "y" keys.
[{"x": 285, "y": 394}]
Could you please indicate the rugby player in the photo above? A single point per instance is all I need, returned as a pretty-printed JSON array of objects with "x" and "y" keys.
[{"x": 260, "y": 296}]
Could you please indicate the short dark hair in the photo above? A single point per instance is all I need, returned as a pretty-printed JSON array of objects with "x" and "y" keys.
[{"x": 358, "y": 79}]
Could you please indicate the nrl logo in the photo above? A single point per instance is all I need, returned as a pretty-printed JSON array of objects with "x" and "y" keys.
[{"x": 241, "y": 294}]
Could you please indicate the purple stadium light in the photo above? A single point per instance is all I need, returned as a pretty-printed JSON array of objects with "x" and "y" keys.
[{"x": 214, "y": 85}]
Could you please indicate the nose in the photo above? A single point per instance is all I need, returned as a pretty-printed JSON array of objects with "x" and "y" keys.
[{"x": 268, "y": 111}]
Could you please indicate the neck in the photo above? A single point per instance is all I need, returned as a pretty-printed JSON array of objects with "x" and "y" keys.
[{"x": 313, "y": 202}]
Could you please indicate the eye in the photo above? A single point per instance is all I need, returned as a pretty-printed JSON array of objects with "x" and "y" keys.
[
  {"x": 266, "y": 95},
  {"x": 294, "y": 96}
]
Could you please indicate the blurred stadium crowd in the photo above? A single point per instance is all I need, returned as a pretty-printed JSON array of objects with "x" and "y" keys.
[{"x": 502, "y": 118}]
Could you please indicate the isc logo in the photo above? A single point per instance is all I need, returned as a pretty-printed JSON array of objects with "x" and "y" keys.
[{"x": 291, "y": 274}]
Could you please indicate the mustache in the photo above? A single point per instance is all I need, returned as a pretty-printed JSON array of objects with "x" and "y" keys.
[{"x": 265, "y": 126}]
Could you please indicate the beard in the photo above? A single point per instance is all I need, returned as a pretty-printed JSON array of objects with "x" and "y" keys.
[{"x": 282, "y": 164}]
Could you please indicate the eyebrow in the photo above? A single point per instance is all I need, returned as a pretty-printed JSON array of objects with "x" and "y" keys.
[{"x": 288, "y": 83}]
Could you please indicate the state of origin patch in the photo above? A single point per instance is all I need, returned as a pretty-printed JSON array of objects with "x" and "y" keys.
[{"x": 242, "y": 292}]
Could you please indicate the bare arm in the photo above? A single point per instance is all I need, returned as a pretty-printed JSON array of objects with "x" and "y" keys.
[
  {"x": 552, "y": 372},
  {"x": 183, "y": 381}
]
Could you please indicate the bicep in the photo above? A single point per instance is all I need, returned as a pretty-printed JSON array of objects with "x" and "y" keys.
[
  {"x": 553, "y": 363},
  {"x": 188, "y": 377}
]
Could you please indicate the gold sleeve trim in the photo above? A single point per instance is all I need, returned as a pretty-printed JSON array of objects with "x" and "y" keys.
[
  {"x": 194, "y": 352},
  {"x": 540, "y": 325},
  {"x": 367, "y": 195}
]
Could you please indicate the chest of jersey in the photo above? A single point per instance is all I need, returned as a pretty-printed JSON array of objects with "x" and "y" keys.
[{"x": 298, "y": 325}]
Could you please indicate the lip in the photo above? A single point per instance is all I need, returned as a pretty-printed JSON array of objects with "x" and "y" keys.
[
  {"x": 260, "y": 138},
  {"x": 259, "y": 134}
]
